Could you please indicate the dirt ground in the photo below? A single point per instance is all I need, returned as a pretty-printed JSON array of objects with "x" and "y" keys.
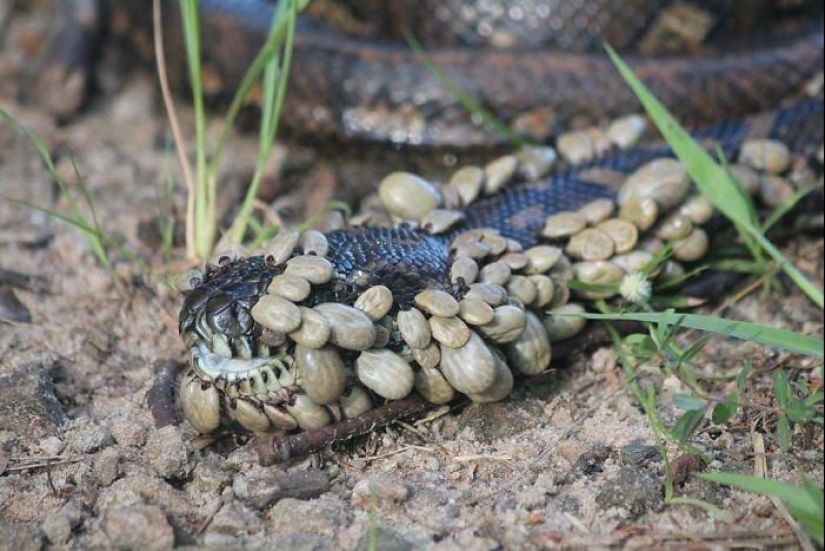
[{"x": 568, "y": 463}]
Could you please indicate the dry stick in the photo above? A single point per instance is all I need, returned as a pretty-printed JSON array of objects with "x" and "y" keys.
[
  {"x": 301, "y": 485},
  {"x": 174, "y": 123},
  {"x": 764, "y": 539},
  {"x": 278, "y": 449},
  {"x": 38, "y": 462},
  {"x": 283, "y": 448},
  {"x": 208, "y": 520}
]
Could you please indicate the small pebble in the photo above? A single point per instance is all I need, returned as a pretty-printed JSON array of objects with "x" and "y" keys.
[
  {"x": 637, "y": 490},
  {"x": 107, "y": 466},
  {"x": 82, "y": 435},
  {"x": 129, "y": 430},
  {"x": 20, "y": 536},
  {"x": 168, "y": 453},
  {"x": 51, "y": 445},
  {"x": 143, "y": 527},
  {"x": 234, "y": 519},
  {"x": 57, "y": 528},
  {"x": 637, "y": 453},
  {"x": 380, "y": 489},
  {"x": 217, "y": 540},
  {"x": 209, "y": 475},
  {"x": 325, "y": 517}
]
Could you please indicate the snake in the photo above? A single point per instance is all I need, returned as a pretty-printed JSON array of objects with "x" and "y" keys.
[
  {"x": 457, "y": 288},
  {"x": 319, "y": 328}
]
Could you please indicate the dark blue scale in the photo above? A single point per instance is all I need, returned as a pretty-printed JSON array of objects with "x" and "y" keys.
[
  {"x": 404, "y": 260},
  {"x": 570, "y": 190}
]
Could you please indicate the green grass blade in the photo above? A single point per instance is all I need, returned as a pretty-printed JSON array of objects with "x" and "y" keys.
[
  {"x": 38, "y": 144},
  {"x": 711, "y": 178},
  {"x": 273, "y": 62},
  {"x": 90, "y": 229},
  {"x": 98, "y": 240},
  {"x": 796, "y": 276},
  {"x": 275, "y": 76},
  {"x": 804, "y": 503},
  {"x": 788, "y": 493},
  {"x": 268, "y": 51},
  {"x": 76, "y": 222},
  {"x": 762, "y": 334},
  {"x": 205, "y": 207}
]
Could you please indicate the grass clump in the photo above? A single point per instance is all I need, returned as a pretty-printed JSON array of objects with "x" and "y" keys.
[
  {"x": 81, "y": 212},
  {"x": 270, "y": 68}
]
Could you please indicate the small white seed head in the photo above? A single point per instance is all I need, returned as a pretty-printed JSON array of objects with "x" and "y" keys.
[{"x": 636, "y": 288}]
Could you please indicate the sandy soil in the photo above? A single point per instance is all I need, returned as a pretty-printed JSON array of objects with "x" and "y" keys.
[{"x": 563, "y": 463}]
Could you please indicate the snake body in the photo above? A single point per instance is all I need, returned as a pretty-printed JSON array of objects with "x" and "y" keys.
[
  {"x": 467, "y": 283},
  {"x": 390, "y": 309},
  {"x": 538, "y": 67}
]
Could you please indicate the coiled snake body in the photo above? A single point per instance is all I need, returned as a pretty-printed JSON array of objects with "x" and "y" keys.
[
  {"x": 468, "y": 290},
  {"x": 538, "y": 67}
]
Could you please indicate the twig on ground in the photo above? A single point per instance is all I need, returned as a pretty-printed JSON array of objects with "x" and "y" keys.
[{"x": 280, "y": 449}]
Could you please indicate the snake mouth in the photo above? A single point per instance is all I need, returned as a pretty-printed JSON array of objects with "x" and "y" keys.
[{"x": 319, "y": 328}]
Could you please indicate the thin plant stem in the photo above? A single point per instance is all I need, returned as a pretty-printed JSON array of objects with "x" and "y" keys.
[
  {"x": 274, "y": 86},
  {"x": 177, "y": 134}
]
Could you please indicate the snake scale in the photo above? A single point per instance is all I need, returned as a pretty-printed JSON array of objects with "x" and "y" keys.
[{"x": 454, "y": 288}]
